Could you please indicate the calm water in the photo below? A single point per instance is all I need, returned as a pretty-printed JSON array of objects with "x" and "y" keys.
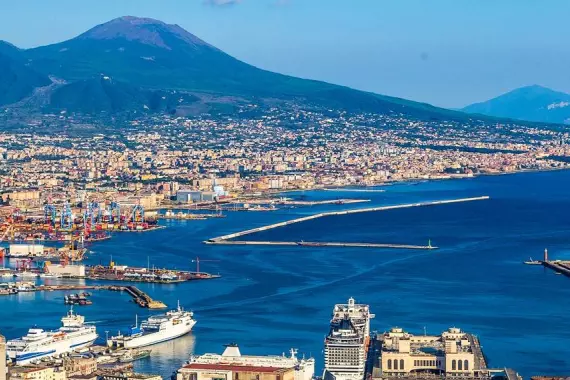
[{"x": 271, "y": 299}]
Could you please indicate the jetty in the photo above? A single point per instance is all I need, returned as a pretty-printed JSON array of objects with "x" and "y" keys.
[
  {"x": 558, "y": 266},
  {"x": 325, "y": 202},
  {"x": 322, "y": 244},
  {"x": 139, "y": 297},
  {"x": 229, "y": 239}
]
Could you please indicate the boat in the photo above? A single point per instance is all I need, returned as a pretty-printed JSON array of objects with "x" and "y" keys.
[
  {"x": 156, "y": 329},
  {"x": 133, "y": 355},
  {"x": 38, "y": 344},
  {"x": 50, "y": 275},
  {"x": 26, "y": 274},
  {"x": 533, "y": 262}
]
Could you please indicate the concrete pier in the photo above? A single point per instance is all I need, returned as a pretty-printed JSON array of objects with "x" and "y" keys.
[
  {"x": 218, "y": 239},
  {"x": 562, "y": 267},
  {"x": 320, "y": 244}
]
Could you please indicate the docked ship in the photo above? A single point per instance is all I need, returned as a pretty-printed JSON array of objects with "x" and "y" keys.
[
  {"x": 38, "y": 343},
  {"x": 346, "y": 345},
  {"x": 156, "y": 329}
]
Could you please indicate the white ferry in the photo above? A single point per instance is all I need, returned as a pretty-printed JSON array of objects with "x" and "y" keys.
[
  {"x": 156, "y": 329},
  {"x": 38, "y": 343}
]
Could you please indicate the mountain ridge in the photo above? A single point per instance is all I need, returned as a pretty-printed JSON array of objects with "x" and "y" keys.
[
  {"x": 149, "y": 56},
  {"x": 533, "y": 103}
]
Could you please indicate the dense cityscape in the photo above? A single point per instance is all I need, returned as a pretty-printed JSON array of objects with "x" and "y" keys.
[{"x": 280, "y": 150}]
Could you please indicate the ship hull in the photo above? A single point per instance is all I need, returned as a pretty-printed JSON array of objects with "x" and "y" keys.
[
  {"x": 151, "y": 338},
  {"x": 158, "y": 337},
  {"x": 33, "y": 353}
]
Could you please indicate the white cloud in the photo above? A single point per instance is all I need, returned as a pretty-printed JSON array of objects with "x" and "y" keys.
[{"x": 558, "y": 105}]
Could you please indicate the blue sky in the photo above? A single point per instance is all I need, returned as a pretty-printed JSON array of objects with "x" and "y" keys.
[{"x": 445, "y": 52}]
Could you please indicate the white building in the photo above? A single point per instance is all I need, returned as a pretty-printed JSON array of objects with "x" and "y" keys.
[
  {"x": 232, "y": 365},
  {"x": 453, "y": 353}
]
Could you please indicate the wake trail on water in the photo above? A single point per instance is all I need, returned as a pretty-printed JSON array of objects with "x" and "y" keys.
[{"x": 252, "y": 301}]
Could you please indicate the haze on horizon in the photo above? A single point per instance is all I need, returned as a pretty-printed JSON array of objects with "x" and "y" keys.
[{"x": 448, "y": 53}]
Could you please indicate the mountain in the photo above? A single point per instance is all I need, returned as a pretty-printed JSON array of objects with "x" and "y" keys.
[
  {"x": 532, "y": 103},
  {"x": 144, "y": 57},
  {"x": 17, "y": 80},
  {"x": 105, "y": 94}
]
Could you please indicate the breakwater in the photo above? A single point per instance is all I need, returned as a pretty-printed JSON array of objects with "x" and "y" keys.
[
  {"x": 225, "y": 238},
  {"x": 322, "y": 244}
]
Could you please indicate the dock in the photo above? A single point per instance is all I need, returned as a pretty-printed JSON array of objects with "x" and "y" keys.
[
  {"x": 325, "y": 202},
  {"x": 321, "y": 244},
  {"x": 562, "y": 267},
  {"x": 558, "y": 266},
  {"x": 228, "y": 239},
  {"x": 140, "y": 298}
]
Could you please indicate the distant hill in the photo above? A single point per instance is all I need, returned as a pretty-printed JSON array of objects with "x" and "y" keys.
[
  {"x": 17, "y": 80},
  {"x": 532, "y": 103},
  {"x": 147, "y": 60},
  {"x": 108, "y": 95}
]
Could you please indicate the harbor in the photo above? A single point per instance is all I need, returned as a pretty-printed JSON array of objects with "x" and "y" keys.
[{"x": 295, "y": 281}]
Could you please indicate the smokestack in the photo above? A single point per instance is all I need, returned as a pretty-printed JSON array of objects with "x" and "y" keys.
[{"x": 545, "y": 254}]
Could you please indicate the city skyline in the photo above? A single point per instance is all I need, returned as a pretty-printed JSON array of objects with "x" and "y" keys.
[{"x": 446, "y": 53}]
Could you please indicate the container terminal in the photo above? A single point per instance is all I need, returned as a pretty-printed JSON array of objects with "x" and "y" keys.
[{"x": 91, "y": 222}]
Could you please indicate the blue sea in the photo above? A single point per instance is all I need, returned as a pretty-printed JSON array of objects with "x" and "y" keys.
[{"x": 271, "y": 299}]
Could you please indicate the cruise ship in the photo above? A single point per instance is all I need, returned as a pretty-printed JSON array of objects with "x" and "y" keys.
[
  {"x": 156, "y": 329},
  {"x": 346, "y": 345},
  {"x": 38, "y": 343}
]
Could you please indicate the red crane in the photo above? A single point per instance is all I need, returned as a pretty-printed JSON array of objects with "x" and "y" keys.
[{"x": 197, "y": 261}]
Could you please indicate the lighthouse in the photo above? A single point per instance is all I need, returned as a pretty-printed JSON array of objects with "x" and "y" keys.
[{"x": 545, "y": 255}]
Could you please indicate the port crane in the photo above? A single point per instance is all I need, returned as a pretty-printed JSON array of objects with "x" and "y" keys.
[
  {"x": 198, "y": 260},
  {"x": 50, "y": 214},
  {"x": 66, "y": 222}
]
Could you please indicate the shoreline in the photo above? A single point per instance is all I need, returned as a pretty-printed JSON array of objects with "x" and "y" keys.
[{"x": 357, "y": 187}]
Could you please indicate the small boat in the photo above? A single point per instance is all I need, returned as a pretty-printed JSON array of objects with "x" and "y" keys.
[
  {"x": 532, "y": 262},
  {"x": 26, "y": 274},
  {"x": 50, "y": 275},
  {"x": 132, "y": 355}
]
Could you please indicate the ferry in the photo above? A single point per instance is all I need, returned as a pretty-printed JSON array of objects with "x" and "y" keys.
[
  {"x": 38, "y": 343},
  {"x": 156, "y": 329}
]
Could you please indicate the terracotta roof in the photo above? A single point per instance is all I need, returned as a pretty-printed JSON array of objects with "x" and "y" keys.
[{"x": 233, "y": 367}]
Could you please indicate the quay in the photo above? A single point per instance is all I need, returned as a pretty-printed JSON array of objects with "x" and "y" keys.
[
  {"x": 140, "y": 298},
  {"x": 115, "y": 272},
  {"x": 325, "y": 202},
  {"x": 562, "y": 267},
  {"x": 234, "y": 235},
  {"x": 321, "y": 244}
]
